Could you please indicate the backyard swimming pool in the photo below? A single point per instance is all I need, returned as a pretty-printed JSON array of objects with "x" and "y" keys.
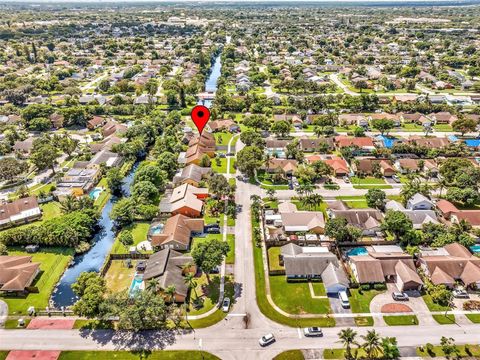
[
  {"x": 357, "y": 251},
  {"x": 95, "y": 193},
  {"x": 136, "y": 285},
  {"x": 475, "y": 248},
  {"x": 473, "y": 142},
  {"x": 156, "y": 229},
  {"x": 387, "y": 141}
]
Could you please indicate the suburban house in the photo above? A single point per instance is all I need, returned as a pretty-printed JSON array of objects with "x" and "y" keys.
[
  {"x": 303, "y": 221},
  {"x": 200, "y": 146},
  {"x": 351, "y": 119},
  {"x": 285, "y": 166},
  {"x": 418, "y": 217},
  {"x": 80, "y": 179},
  {"x": 373, "y": 167},
  {"x": 450, "y": 264},
  {"x": 185, "y": 199},
  {"x": 24, "y": 146},
  {"x": 365, "y": 144},
  {"x": 407, "y": 166},
  {"x": 339, "y": 165},
  {"x": 419, "y": 202},
  {"x": 95, "y": 122},
  {"x": 223, "y": 125},
  {"x": 313, "y": 145},
  {"x": 191, "y": 174},
  {"x": 386, "y": 264},
  {"x": 314, "y": 263},
  {"x": 428, "y": 142},
  {"x": 169, "y": 267},
  {"x": 177, "y": 233},
  {"x": 454, "y": 215},
  {"x": 107, "y": 157},
  {"x": 20, "y": 211},
  {"x": 416, "y": 118},
  {"x": 367, "y": 220},
  {"x": 443, "y": 117},
  {"x": 113, "y": 127},
  {"x": 17, "y": 273}
]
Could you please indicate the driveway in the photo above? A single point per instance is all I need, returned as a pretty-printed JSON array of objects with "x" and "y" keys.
[
  {"x": 337, "y": 308},
  {"x": 415, "y": 303},
  {"x": 3, "y": 313}
]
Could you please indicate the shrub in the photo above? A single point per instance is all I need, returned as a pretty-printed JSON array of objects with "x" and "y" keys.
[
  {"x": 380, "y": 287},
  {"x": 365, "y": 287},
  {"x": 471, "y": 305},
  {"x": 430, "y": 348}
]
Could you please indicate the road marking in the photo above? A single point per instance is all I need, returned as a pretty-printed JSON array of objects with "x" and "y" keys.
[
  {"x": 299, "y": 333},
  {"x": 200, "y": 343},
  {"x": 237, "y": 315}
]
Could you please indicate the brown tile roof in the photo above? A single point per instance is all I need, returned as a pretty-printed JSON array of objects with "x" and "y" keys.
[
  {"x": 178, "y": 228},
  {"x": 17, "y": 206},
  {"x": 344, "y": 141},
  {"x": 446, "y": 207},
  {"x": 17, "y": 272}
]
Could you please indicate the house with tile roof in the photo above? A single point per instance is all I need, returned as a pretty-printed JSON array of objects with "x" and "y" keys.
[
  {"x": 20, "y": 211},
  {"x": 177, "y": 233},
  {"x": 17, "y": 273}
]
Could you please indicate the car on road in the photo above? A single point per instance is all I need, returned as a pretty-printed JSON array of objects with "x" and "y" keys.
[
  {"x": 312, "y": 331},
  {"x": 395, "y": 178},
  {"x": 399, "y": 296},
  {"x": 346, "y": 179},
  {"x": 226, "y": 304},
  {"x": 266, "y": 340},
  {"x": 460, "y": 294}
]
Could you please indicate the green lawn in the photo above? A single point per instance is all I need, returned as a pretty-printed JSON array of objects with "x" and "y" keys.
[
  {"x": 119, "y": 277},
  {"x": 475, "y": 318},
  {"x": 444, "y": 320},
  {"x": 230, "y": 259},
  {"x": 369, "y": 182},
  {"x": 396, "y": 320},
  {"x": 363, "y": 321},
  {"x": 3, "y": 355},
  {"x": 222, "y": 138},
  {"x": 360, "y": 300},
  {"x": 290, "y": 355},
  {"x": 93, "y": 324},
  {"x": 102, "y": 199},
  {"x": 319, "y": 289},
  {"x": 360, "y": 204},
  {"x": 221, "y": 166},
  {"x": 273, "y": 260},
  {"x": 53, "y": 262},
  {"x": 264, "y": 305},
  {"x": 210, "y": 320},
  {"x": 134, "y": 355},
  {"x": 412, "y": 127},
  {"x": 340, "y": 353},
  {"x": 443, "y": 127},
  {"x": 50, "y": 210},
  {"x": 301, "y": 207},
  {"x": 13, "y": 323},
  {"x": 294, "y": 297},
  {"x": 433, "y": 306},
  {"x": 139, "y": 232},
  {"x": 437, "y": 351}
]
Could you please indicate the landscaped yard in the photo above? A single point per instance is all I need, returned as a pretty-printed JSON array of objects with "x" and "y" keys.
[
  {"x": 444, "y": 320},
  {"x": 295, "y": 298},
  {"x": 437, "y": 351},
  {"x": 50, "y": 210},
  {"x": 222, "y": 138},
  {"x": 139, "y": 232},
  {"x": 273, "y": 258},
  {"x": 360, "y": 299},
  {"x": 433, "y": 306},
  {"x": 290, "y": 355},
  {"x": 363, "y": 321},
  {"x": 396, "y": 320},
  {"x": 369, "y": 182},
  {"x": 137, "y": 355},
  {"x": 475, "y": 318},
  {"x": 340, "y": 353},
  {"x": 53, "y": 262},
  {"x": 230, "y": 259},
  {"x": 301, "y": 207},
  {"x": 119, "y": 276},
  {"x": 207, "y": 293}
]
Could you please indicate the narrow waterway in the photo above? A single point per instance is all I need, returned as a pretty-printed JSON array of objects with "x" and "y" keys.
[{"x": 93, "y": 259}]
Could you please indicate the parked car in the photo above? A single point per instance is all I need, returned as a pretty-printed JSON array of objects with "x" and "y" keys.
[
  {"x": 460, "y": 294},
  {"x": 346, "y": 179},
  {"x": 215, "y": 270},
  {"x": 266, "y": 340},
  {"x": 213, "y": 230},
  {"x": 343, "y": 296},
  {"x": 226, "y": 304},
  {"x": 230, "y": 154},
  {"x": 221, "y": 155},
  {"x": 395, "y": 178},
  {"x": 312, "y": 331},
  {"x": 400, "y": 296}
]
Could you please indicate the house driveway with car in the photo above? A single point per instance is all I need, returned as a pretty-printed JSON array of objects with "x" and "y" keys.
[{"x": 415, "y": 302}]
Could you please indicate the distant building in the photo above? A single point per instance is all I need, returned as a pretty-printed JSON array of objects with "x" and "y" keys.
[{"x": 20, "y": 211}]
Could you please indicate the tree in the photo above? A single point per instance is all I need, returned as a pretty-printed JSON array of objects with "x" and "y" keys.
[
  {"x": 271, "y": 194},
  {"x": 390, "y": 348},
  {"x": 372, "y": 344},
  {"x": 464, "y": 125},
  {"x": 153, "y": 174},
  {"x": 152, "y": 285},
  {"x": 322, "y": 169},
  {"x": 338, "y": 229},
  {"x": 448, "y": 347},
  {"x": 256, "y": 122},
  {"x": 205, "y": 161},
  {"x": 69, "y": 204},
  {"x": 90, "y": 287},
  {"x": 348, "y": 338},
  {"x": 312, "y": 201},
  {"x": 10, "y": 168},
  {"x": 281, "y": 128},
  {"x": 209, "y": 254},
  {"x": 218, "y": 185},
  {"x": 126, "y": 238},
  {"x": 114, "y": 180},
  {"x": 170, "y": 291},
  {"x": 123, "y": 212},
  {"x": 249, "y": 160},
  {"x": 376, "y": 198},
  {"x": 398, "y": 223},
  {"x": 44, "y": 156},
  {"x": 3, "y": 249},
  {"x": 145, "y": 192},
  {"x": 167, "y": 162},
  {"x": 383, "y": 125},
  {"x": 251, "y": 137},
  {"x": 191, "y": 283}
]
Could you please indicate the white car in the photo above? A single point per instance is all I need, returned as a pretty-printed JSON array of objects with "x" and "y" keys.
[
  {"x": 460, "y": 294},
  {"x": 226, "y": 304},
  {"x": 266, "y": 340},
  {"x": 395, "y": 178},
  {"x": 346, "y": 179},
  {"x": 312, "y": 331}
]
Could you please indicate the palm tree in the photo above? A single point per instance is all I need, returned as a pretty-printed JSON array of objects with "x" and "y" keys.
[
  {"x": 170, "y": 291},
  {"x": 152, "y": 285},
  {"x": 317, "y": 130},
  {"x": 191, "y": 283},
  {"x": 69, "y": 204},
  {"x": 313, "y": 200},
  {"x": 271, "y": 194},
  {"x": 372, "y": 344},
  {"x": 347, "y": 338}
]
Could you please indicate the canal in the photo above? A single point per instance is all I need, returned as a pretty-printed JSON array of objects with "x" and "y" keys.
[{"x": 93, "y": 259}]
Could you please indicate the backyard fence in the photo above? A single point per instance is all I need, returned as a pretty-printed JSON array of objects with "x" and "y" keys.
[{"x": 112, "y": 257}]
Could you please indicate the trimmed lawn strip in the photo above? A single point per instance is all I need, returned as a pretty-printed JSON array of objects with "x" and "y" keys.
[
  {"x": 369, "y": 182},
  {"x": 290, "y": 355},
  {"x": 360, "y": 302},
  {"x": 221, "y": 167},
  {"x": 437, "y": 351},
  {"x": 475, "y": 318},
  {"x": 13, "y": 323},
  {"x": 433, "y": 306},
  {"x": 396, "y": 320},
  {"x": 93, "y": 324},
  {"x": 3, "y": 354},
  {"x": 133, "y": 355},
  {"x": 263, "y": 303},
  {"x": 217, "y": 316},
  {"x": 53, "y": 262},
  {"x": 119, "y": 277},
  {"x": 340, "y": 353},
  {"x": 363, "y": 321},
  {"x": 294, "y": 297},
  {"x": 444, "y": 320},
  {"x": 230, "y": 259},
  {"x": 273, "y": 258}
]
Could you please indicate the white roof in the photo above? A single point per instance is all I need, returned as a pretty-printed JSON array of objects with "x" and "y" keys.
[
  {"x": 314, "y": 249},
  {"x": 387, "y": 248}
]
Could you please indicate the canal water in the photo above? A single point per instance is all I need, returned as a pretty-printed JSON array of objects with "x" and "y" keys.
[{"x": 93, "y": 259}]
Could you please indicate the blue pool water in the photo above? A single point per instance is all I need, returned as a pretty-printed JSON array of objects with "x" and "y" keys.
[
  {"x": 473, "y": 142},
  {"x": 357, "y": 251},
  {"x": 387, "y": 141},
  {"x": 95, "y": 193},
  {"x": 452, "y": 138},
  {"x": 157, "y": 229},
  {"x": 135, "y": 286},
  {"x": 475, "y": 248}
]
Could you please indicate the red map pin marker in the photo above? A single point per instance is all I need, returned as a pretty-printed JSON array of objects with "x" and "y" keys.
[{"x": 200, "y": 116}]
